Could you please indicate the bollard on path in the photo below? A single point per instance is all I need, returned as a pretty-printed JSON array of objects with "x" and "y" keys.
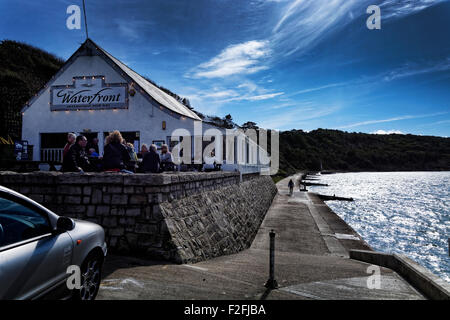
[{"x": 272, "y": 283}]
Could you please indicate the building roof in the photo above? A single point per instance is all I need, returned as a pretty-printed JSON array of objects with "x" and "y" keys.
[{"x": 158, "y": 95}]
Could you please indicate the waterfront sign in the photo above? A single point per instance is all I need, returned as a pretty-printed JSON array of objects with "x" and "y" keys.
[{"x": 87, "y": 93}]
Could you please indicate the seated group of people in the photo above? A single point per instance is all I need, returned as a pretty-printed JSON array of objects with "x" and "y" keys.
[{"x": 118, "y": 156}]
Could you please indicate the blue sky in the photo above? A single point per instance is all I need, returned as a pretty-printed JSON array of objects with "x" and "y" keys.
[{"x": 284, "y": 64}]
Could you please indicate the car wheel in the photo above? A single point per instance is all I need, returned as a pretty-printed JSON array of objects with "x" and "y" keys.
[{"x": 90, "y": 278}]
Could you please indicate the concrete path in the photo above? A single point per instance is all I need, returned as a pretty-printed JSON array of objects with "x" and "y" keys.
[{"x": 311, "y": 259}]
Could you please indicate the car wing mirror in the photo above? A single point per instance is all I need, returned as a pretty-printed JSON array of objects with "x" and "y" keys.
[{"x": 65, "y": 224}]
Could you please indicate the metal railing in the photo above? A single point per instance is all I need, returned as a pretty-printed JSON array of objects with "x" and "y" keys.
[{"x": 52, "y": 154}]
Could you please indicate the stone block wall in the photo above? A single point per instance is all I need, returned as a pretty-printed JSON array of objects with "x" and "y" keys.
[
  {"x": 142, "y": 213},
  {"x": 218, "y": 222}
]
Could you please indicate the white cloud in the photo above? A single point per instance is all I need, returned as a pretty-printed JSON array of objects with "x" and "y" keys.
[
  {"x": 132, "y": 29},
  {"x": 210, "y": 100},
  {"x": 412, "y": 69},
  {"x": 304, "y": 23},
  {"x": 406, "y": 117},
  {"x": 387, "y": 132},
  {"x": 398, "y": 9},
  {"x": 332, "y": 85},
  {"x": 243, "y": 58},
  {"x": 293, "y": 118},
  {"x": 221, "y": 94},
  {"x": 254, "y": 98}
]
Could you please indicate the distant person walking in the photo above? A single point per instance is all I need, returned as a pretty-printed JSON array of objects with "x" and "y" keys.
[{"x": 291, "y": 187}]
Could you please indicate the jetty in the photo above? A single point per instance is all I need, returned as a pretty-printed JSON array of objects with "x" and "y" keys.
[
  {"x": 314, "y": 184},
  {"x": 313, "y": 250},
  {"x": 333, "y": 198}
]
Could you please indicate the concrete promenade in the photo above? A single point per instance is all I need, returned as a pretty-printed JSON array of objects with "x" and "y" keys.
[{"x": 311, "y": 262}]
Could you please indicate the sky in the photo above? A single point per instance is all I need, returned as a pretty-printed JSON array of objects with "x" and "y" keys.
[{"x": 284, "y": 64}]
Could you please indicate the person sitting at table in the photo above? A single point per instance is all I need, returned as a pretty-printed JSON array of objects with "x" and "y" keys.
[
  {"x": 151, "y": 162},
  {"x": 131, "y": 151},
  {"x": 144, "y": 150},
  {"x": 93, "y": 153},
  {"x": 76, "y": 159},
  {"x": 70, "y": 141},
  {"x": 95, "y": 160},
  {"x": 115, "y": 155},
  {"x": 93, "y": 144},
  {"x": 166, "y": 159}
]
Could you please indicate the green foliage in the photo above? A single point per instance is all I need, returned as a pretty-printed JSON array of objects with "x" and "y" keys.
[
  {"x": 342, "y": 151},
  {"x": 24, "y": 70}
]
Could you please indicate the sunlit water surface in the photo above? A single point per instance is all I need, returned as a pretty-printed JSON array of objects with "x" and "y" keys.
[{"x": 397, "y": 212}]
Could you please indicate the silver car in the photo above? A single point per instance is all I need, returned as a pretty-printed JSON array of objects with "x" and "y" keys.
[{"x": 37, "y": 247}]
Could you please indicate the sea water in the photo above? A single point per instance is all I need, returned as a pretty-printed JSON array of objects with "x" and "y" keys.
[{"x": 397, "y": 212}]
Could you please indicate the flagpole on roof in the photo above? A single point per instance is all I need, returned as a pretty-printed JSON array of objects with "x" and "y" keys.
[{"x": 85, "y": 21}]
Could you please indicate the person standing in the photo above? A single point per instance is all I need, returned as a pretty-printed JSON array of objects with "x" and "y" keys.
[
  {"x": 115, "y": 156},
  {"x": 291, "y": 187},
  {"x": 166, "y": 159},
  {"x": 151, "y": 162}
]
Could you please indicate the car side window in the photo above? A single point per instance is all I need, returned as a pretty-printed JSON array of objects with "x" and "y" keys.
[{"x": 19, "y": 223}]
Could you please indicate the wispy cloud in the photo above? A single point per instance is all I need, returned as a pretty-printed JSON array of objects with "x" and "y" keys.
[
  {"x": 293, "y": 118},
  {"x": 327, "y": 86},
  {"x": 406, "y": 117},
  {"x": 210, "y": 100},
  {"x": 303, "y": 23},
  {"x": 436, "y": 123},
  {"x": 443, "y": 122},
  {"x": 398, "y": 9},
  {"x": 132, "y": 29},
  {"x": 387, "y": 132},
  {"x": 290, "y": 104},
  {"x": 238, "y": 59},
  {"x": 253, "y": 97},
  {"x": 412, "y": 69}
]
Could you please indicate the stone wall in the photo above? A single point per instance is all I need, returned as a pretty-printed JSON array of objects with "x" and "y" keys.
[
  {"x": 183, "y": 217},
  {"x": 218, "y": 222}
]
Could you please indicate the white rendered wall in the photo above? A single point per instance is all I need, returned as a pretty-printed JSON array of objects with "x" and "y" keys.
[{"x": 140, "y": 116}]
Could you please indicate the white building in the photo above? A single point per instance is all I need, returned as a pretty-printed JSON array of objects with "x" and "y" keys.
[{"x": 94, "y": 93}]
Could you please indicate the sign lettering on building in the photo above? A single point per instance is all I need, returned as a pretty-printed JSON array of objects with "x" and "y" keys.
[{"x": 90, "y": 92}]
